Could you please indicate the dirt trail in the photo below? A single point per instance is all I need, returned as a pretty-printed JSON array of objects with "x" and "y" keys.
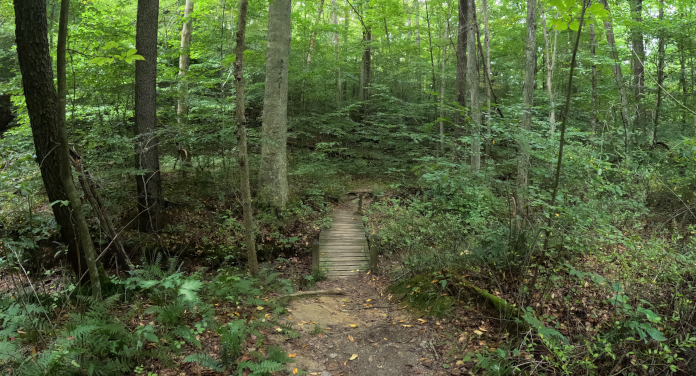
[{"x": 387, "y": 340}]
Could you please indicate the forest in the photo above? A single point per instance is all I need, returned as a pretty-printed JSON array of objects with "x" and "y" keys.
[{"x": 347, "y": 187}]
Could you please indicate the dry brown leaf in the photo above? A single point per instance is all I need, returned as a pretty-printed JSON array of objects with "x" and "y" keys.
[{"x": 351, "y": 338}]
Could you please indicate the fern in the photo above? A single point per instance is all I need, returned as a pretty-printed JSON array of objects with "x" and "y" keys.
[
  {"x": 265, "y": 368},
  {"x": 205, "y": 360}
]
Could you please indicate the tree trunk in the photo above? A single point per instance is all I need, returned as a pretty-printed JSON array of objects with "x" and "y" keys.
[
  {"x": 184, "y": 62},
  {"x": 417, "y": 11},
  {"x": 489, "y": 91},
  {"x": 366, "y": 68},
  {"x": 242, "y": 140},
  {"x": 334, "y": 21},
  {"x": 660, "y": 72},
  {"x": 442, "y": 90},
  {"x": 408, "y": 20},
  {"x": 528, "y": 103},
  {"x": 314, "y": 32},
  {"x": 618, "y": 75},
  {"x": 473, "y": 73},
  {"x": 549, "y": 73},
  {"x": 48, "y": 130},
  {"x": 638, "y": 56},
  {"x": 273, "y": 175},
  {"x": 566, "y": 110},
  {"x": 149, "y": 184},
  {"x": 462, "y": 61},
  {"x": 430, "y": 46},
  {"x": 593, "y": 50},
  {"x": 682, "y": 80}
]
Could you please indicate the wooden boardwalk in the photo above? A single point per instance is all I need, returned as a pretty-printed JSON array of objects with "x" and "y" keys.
[{"x": 343, "y": 249}]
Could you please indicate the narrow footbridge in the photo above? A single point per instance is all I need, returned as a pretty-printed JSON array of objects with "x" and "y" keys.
[{"x": 342, "y": 249}]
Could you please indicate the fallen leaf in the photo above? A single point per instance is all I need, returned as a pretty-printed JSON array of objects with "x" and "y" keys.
[
  {"x": 368, "y": 300},
  {"x": 478, "y": 332},
  {"x": 353, "y": 325},
  {"x": 294, "y": 371},
  {"x": 351, "y": 338},
  {"x": 292, "y": 355},
  {"x": 355, "y": 356},
  {"x": 483, "y": 329},
  {"x": 406, "y": 326},
  {"x": 259, "y": 308}
]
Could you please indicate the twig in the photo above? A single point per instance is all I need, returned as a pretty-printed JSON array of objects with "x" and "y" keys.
[
  {"x": 310, "y": 293},
  {"x": 437, "y": 357}
]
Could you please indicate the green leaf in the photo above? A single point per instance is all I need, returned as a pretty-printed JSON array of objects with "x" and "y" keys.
[
  {"x": 189, "y": 288},
  {"x": 150, "y": 336},
  {"x": 654, "y": 333},
  {"x": 575, "y": 25},
  {"x": 147, "y": 284}
]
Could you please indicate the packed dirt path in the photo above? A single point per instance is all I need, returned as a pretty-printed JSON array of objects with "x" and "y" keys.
[{"x": 361, "y": 333}]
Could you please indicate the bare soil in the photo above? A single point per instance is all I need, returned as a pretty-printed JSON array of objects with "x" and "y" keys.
[{"x": 364, "y": 332}]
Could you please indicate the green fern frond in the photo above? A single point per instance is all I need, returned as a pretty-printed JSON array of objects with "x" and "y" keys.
[{"x": 205, "y": 360}]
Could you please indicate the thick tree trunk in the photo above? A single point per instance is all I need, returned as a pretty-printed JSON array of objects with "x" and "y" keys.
[
  {"x": 462, "y": 60},
  {"x": 528, "y": 104},
  {"x": 660, "y": 74},
  {"x": 638, "y": 56},
  {"x": 489, "y": 91},
  {"x": 618, "y": 75},
  {"x": 242, "y": 140},
  {"x": 48, "y": 130},
  {"x": 149, "y": 184},
  {"x": 593, "y": 50},
  {"x": 273, "y": 175},
  {"x": 550, "y": 62},
  {"x": 473, "y": 78},
  {"x": 184, "y": 62}
]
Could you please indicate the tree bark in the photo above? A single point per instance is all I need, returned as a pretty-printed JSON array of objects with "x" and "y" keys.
[
  {"x": 314, "y": 32},
  {"x": 48, "y": 130},
  {"x": 366, "y": 67},
  {"x": 660, "y": 72},
  {"x": 593, "y": 50},
  {"x": 528, "y": 103},
  {"x": 618, "y": 75},
  {"x": 473, "y": 78},
  {"x": 242, "y": 139},
  {"x": 334, "y": 21},
  {"x": 430, "y": 46},
  {"x": 442, "y": 90},
  {"x": 638, "y": 56},
  {"x": 149, "y": 184},
  {"x": 489, "y": 91},
  {"x": 184, "y": 63},
  {"x": 417, "y": 16},
  {"x": 273, "y": 175},
  {"x": 550, "y": 62},
  {"x": 462, "y": 59},
  {"x": 566, "y": 110}
]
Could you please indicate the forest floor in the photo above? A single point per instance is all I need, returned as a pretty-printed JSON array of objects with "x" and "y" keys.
[{"x": 364, "y": 332}]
